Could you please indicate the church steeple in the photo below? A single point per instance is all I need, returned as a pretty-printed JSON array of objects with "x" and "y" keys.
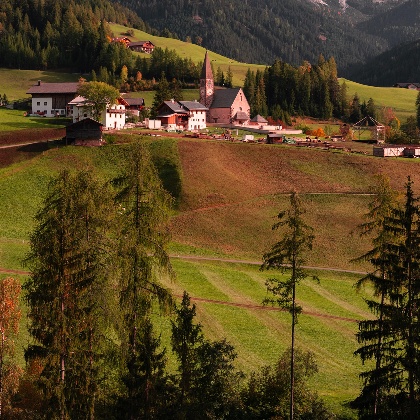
[{"x": 206, "y": 83}]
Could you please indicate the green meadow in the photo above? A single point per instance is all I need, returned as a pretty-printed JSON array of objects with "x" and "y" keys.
[{"x": 228, "y": 293}]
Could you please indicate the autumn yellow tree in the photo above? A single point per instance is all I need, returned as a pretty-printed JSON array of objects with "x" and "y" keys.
[{"x": 9, "y": 326}]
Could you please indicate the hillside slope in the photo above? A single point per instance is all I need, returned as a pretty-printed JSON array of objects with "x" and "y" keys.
[
  {"x": 257, "y": 31},
  {"x": 232, "y": 193}
]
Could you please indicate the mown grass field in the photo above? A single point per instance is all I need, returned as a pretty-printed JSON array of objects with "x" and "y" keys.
[{"x": 230, "y": 194}]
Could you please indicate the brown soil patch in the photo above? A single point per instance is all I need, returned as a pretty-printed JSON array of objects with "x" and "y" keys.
[{"x": 31, "y": 135}]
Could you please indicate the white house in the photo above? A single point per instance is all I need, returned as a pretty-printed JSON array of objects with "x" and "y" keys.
[
  {"x": 112, "y": 118},
  {"x": 184, "y": 115},
  {"x": 51, "y": 99}
]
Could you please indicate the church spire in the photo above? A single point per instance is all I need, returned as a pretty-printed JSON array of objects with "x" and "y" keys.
[
  {"x": 206, "y": 72},
  {"x": 206, "y": 83}
]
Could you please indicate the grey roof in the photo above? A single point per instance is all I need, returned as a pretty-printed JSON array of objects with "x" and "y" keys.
[
  {"x": 134, "y": 101},
  {"x": 176, "y": 107},
  {"x": 193, "y": 105},
  {"x": 206, "y": 71},
  {"x": 182, "y": 107},
  {"x": 259, "y": 119},
  {"x": 42, "y": 87},
  {"x": 224, "y": 98},
  {"x": 241, "y": 116}
]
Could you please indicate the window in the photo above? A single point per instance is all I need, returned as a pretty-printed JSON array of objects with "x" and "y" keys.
[
  {"x": 38, "y": 103},
  {"x": 45, "y": 103}
]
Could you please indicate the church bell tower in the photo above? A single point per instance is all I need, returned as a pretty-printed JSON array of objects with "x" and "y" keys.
[{"x": 206, "y": 83}]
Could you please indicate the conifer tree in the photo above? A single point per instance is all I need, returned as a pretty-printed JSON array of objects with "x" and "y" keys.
[
  {"x": 392, "y": 340},
  {"x": 142, "y": 254},
  {"x": 66, "y": 290},
  {"x": 288, "y": 255}
]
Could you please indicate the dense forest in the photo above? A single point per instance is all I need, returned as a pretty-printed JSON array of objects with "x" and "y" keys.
[
  {"x": 399, "y": 65},
  {"x": 36, "y": 34},
  {"x": 256, "y": 31}
]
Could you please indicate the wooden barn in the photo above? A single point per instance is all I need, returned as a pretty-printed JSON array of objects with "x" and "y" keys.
[{"x": 86, "y": 132}]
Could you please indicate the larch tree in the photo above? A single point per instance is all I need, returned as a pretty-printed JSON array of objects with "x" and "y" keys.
[
  {"x": 66, "y": 292},
  {"x": 288, "y": 256},
  {"x": 10, "y": 314},
  {"x": 144, "y": 207}
]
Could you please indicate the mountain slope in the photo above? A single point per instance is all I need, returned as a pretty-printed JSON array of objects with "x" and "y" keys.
[
  {"x": 258, "y": 31},
  {"x": 400, "y": 64},
  {"x": 398, "y": 25}
]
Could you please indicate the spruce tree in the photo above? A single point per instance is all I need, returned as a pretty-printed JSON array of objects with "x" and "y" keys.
[
  {"x": 392, "y": 340},
  {"x": 65, "y": 292}
]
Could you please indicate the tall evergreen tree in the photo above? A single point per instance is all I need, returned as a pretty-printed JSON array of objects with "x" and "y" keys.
[
  {"x": 65, "y": 293},
  {"x": 142, "y": 255},
  {"x": 391, "y": 388},
  {"x": 288, "y": 255}
]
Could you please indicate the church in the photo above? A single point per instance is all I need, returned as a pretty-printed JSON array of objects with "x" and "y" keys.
[{"x": 225, "y": 106}]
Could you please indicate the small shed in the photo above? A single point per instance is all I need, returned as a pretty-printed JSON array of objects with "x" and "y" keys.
[
  {"x": 275, "y": 138},
  {"x": 389, "y": 151},
  {"x": 258, "y": 120},
  {"x": 86, "y": 132}
]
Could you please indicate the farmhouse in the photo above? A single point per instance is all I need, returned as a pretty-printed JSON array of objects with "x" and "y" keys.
[
  {"x": 51, "y": 99},
  {"x": 142, "y": 46},
  {"x": 225, "y": 106},
  {"x": 412, "y": 86},
  {"x": 184, "y": 115},
  {"x": 112, "y": 118}
]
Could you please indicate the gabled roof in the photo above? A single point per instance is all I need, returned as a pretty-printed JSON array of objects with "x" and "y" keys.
[
  {"x": 134, "y": 101},
  {"x": 193, "y": 105},
  {"x": 241, "y": 116},
  {"x": 139, "y": 43},
  {"x": 259, "y": 119},
  {"x": 41, "y": 87},
  {"x": 86, "y": 122},
  {"x": 224, "y": 98},
  {"x": 181, "y": 107}
]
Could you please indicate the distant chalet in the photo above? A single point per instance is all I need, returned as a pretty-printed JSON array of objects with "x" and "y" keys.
[
  {"x": 411, "y": 86},
  {"x": 142, "y": 46}
]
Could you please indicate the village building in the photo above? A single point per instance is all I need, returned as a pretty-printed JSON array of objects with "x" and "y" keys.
[
  {"x": 142, "y": 46},
  {"x": 182, "y": 115},
  {"x": 258, "y": 120},
  {"x": 112, "y": 118},
  {"x": 399, "y": 150},
  {"x": 51, "y": 99},
  {"x": 225, "y": 106},
  {"x": 411, "y": 86},
  {"x": 86, "y": 132}
]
